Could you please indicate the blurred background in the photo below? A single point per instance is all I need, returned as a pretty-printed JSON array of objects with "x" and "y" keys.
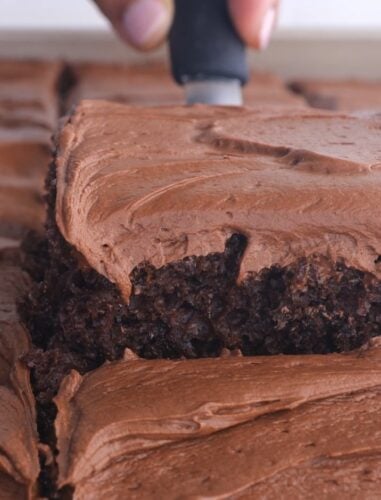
[
  {"x": 81, "y": 14},
  {"x": 339, "y": 38}
]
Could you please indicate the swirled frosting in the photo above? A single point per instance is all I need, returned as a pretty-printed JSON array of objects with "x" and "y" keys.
[
  {"x": 223, "y": 428},
  {"x": 160, "y": 184}
]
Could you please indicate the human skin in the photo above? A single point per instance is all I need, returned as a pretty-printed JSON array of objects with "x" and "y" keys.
[{"x": 144, "y": 24}]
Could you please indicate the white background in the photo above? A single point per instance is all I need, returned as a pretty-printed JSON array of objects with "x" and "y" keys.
[{"x": 81, "y": 14}]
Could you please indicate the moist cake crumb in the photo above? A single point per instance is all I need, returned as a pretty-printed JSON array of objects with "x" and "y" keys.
[{"x": 187, "y": 309}]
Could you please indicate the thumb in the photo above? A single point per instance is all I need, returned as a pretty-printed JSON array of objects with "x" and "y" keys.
[
  {"x": 144, "y": 24},
  {"x": 254, "y": 20}
]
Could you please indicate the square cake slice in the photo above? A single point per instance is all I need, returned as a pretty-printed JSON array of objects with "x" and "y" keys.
[
  {"x": 181, "y": 232},
  {"x": 159, "y": 185}
]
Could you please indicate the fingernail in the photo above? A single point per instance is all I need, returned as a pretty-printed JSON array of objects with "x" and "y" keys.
[
  {"x": 267, "y": 28},
  {"x": 144, "y": 20}
]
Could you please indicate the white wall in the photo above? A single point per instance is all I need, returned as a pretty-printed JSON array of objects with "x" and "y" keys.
[{"x": 81, "y": 14}]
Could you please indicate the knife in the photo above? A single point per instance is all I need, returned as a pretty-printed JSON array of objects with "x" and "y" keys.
[{"x": 207, "y": 56}]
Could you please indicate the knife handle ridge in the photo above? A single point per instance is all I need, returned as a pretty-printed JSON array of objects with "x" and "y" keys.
[{"x": 203, "y": 43}]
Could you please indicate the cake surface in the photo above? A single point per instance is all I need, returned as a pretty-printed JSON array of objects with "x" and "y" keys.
[
  {"x": 159, "y": 185},
  {"x": 306, "y": 426}
]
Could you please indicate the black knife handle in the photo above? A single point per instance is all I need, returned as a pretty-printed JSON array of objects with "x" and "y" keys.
[{"x": 203, "y": 43}]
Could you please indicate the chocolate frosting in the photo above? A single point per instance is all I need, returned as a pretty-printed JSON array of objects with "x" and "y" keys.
[
  {"x": 19, "y": 465},
  {"x": 160, "y": 184},
  {"x": 223, "y": 428}
]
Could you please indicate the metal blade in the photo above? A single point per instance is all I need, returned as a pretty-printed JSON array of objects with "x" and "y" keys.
[{"x": 216, "y": 92}]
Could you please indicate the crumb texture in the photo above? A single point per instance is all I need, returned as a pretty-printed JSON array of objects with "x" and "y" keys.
[
  {"x": 248, "y": 233},
  {"x": 252, "y": 426}
]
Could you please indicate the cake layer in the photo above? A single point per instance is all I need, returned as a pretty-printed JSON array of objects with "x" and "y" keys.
[
  {"x": 161, "y": 184},
  {"x": 344, "y": 95},
  {"x": 19, "y": 465},
  {"x": 152, "y": 84},
  {"x": 226, "y": 428}
]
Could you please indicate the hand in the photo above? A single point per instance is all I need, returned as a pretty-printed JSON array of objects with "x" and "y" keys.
[{"x": 145, "y": 23}]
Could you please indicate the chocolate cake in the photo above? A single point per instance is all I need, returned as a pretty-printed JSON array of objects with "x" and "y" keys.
[
  {"x": 341, "y": 95},
  {"x": 224, "y": 234},
  {"x": 252, "y": 234}
]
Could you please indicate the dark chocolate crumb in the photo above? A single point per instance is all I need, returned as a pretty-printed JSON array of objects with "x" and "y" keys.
[
  {"x": 188, "y": 309},
  {"x": 191, "y": 308}
]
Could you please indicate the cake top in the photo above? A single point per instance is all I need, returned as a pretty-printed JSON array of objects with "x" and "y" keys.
[
  {"x": 160, "y": 184},
  {"x": 253, "y": 424}
]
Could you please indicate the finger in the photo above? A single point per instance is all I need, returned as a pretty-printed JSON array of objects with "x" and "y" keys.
[
  {"x": 142, "y": 23},
  {"x": 254, "y": 20}
]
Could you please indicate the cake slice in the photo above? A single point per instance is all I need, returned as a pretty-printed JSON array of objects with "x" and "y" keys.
[
  {"x": 342, "y": 95},
  {"x": 19, "y": 465},
  {"x": 226, "y": 428},
  {"x": 181, "y": 232}
]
